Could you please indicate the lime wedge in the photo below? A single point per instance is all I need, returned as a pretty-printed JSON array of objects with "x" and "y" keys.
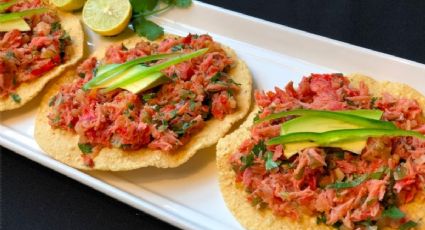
[
  {"x": 107, "y": 17},
  {"x": 68, "y": 5}
]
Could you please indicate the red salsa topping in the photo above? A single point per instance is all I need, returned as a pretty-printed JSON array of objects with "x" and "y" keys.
[
  {"x": 339, "y": 187},
  {"x": 162, "y": 118},
  {"x": 25, "y": 56}
]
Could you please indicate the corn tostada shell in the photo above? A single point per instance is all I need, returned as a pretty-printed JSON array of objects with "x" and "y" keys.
[
  {"x": 62, "y": 145},
  {"x": 252, "y": 218}
]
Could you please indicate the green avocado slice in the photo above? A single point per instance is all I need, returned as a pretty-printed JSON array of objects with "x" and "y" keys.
[
  {"x": 348, "y": 118},
  {"x": 315, "y": 123},
  {"x": 329, "y": 137}
]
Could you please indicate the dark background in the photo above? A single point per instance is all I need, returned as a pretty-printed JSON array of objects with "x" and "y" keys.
[{"x": 34, "y": 197}]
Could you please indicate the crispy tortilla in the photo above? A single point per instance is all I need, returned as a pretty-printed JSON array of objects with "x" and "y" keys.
[
  {"x": 62, "y": 145},
  {"x": 252, "y": 218},
  {"x": 28, "y": 90}
]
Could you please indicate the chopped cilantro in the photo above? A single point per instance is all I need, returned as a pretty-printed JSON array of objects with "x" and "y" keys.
[
  {"x": 270, "y": 163},
  {"x": 148, "y": 96},
  {"x": 339, "y": 155},
  {"x": 130, "y": 106},
  {"x": 400, "y": 172},
  {"x": 10, "y": 54},
  {"x": 192, "y": 105},
  {"x": 337, "y": 225},
  {"x": 125, "y": 146},
  {"x": 408, "y": 225},
  {"x": 82, "y": 75},
  {"x": 233, "y": 82},
  {"x": 229, "y": 93},
  {"x": 362, "y": 178},
  {"x": 15, "y": 97},
  {"x": 247, "y": 161},
  {"x": 56, "y": 119},
  {"x": 62, "y": 44},
  {"x": 367, "y": 223},
  {"x": 257, "y": 117},
  {"x": 256, "y": 200},
  {"x": 260, "y": 147},
  {"x": 378, "y": 174},
  {"x": 216, "y": 77},
  {"x": 373, "y": 101},
  {"x": 52, "y": 101},
  {"x": 349, "y": 184},
  {"x": 177, "y": 48},
  {"x": 183, "y": 129},
  {"x": 55, "y": 26},
  {"x": 349, "y": 102},
  {"x": 163, "y": 126},
  {"x": 321, "y": 219},
  {"x": 173, "y": 114},
  {"x": 85, "y": 148},
  {"x": 393, "y": 212}
]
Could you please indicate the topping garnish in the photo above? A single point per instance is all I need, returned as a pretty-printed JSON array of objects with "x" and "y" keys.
[
  {"x": 329, "y": 137},
  {"x": 341, "y": 116},
  {"x": 143, "y": 9},
  {"x": 132, "y": 79},
  {"x": 18, "y": 15},
  {"x": 5, "y": 5},
  {"x": 107, "y": 71},
  {"x": 350, "y": 159},
  {"x": 139, "y": 100}
]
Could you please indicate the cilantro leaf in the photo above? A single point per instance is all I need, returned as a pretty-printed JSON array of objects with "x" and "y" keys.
[
  {"x": 55, "y": 26},
  {"x": 216, "y": 77},
  {"x": 177, "y": 48},
  {"x": 184, "y": 127},
  {"x": 140, "y": 6},
  {"x": 15, "y": 97},
  {"x": 408, "y": 225},
  {"x": 349, "y": 184},
  {"x": 247, "y": 161},
  {"x": 148, "y": 96},
  {"x": 259, "y": 148},
  {"x": 321, "y": 219},
  {"x": 393, "y": 212},
  {"x": 183, "y": 3},
  {"x": 147, "y": 28},
  {"x": 270, "y": 163},
  {"x": 85, "y": 148}
]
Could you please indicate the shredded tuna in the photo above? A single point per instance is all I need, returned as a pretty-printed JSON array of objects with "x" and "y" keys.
[
  {"x": 300, "y": 185},
  {"x": 25, "y": 56},
  {"x": 163, "y": 118}
]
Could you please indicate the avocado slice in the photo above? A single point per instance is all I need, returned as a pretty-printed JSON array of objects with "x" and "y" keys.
[
  {"x": 341, "y": 116},
  {"x": 147, "y": 82},
  {"x": 335, "y": 138},
  {"x": 17, "y": 24},
  {"x": 317, "y": 124},
  {"x": 144, "y": 83},
  {"x": 5, "y": 5},
  {"x": 323, "y": 124}
]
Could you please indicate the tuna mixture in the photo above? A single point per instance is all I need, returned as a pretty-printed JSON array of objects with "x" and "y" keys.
[
  {"x": 25, "y": 56},
  {"x": 162, "y": 118},
  {"x": 340, "y": 188}
]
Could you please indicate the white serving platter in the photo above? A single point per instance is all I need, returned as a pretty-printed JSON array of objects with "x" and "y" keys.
[{"x": 188, "y": 196}]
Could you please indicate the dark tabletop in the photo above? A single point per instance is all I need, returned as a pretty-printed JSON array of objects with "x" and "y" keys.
[{"x": 35, "y": 197}]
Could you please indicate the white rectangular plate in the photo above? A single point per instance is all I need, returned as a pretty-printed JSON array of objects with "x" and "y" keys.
[{"x": 189, "y": 196}]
